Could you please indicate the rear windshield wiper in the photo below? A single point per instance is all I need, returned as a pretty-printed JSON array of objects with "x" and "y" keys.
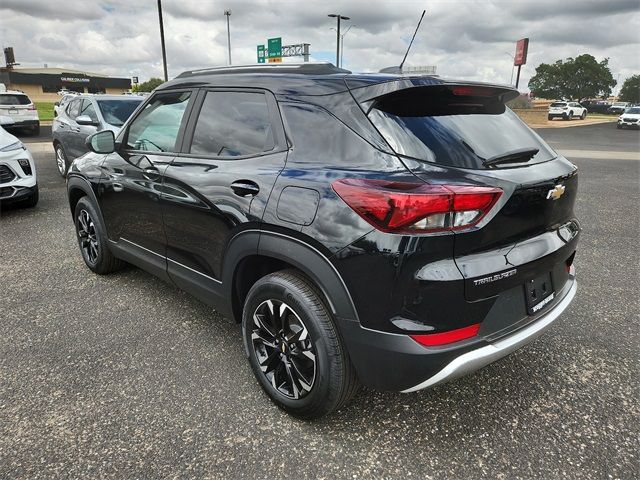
[{"x": 513, "y": 156}]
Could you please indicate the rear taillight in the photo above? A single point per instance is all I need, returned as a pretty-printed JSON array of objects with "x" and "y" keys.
[
  {"x": 402, "y": 207},
  {"x": 31, "y": 106},
  {"x": 444, "y": 338}
]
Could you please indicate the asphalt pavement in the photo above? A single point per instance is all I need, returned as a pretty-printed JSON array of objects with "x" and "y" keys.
[{"x": 125, "y": 376}]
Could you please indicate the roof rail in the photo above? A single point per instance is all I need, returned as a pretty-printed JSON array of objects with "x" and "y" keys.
[{"x": 307, "y": 68}]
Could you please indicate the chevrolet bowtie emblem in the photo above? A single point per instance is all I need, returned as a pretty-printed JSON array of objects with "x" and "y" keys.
[{"x": 556, "y": 192}]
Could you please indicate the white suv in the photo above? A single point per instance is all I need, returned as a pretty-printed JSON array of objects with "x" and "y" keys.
[
  {"x": 20, "y": 108},
  {"x": 18, "y": 183},
  {"x": 566, "y": 110}
]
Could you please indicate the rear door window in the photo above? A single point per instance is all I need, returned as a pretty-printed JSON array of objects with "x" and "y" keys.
[
  {"x": 233, "y": 124},
  {"x": 460, "y": 130}
]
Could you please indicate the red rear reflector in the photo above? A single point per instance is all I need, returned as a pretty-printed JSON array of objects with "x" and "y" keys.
[
  {"x": 443, "y": 338},
  {"x": 397, "y": 207}
]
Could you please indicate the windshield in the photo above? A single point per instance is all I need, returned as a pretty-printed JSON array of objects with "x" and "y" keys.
[
  {"x": 635, "y": 111},
  {"x": 116, "y": 112},
  {"x": 558, "y": 104},
  {"x": 432, "y": 125},
  {"x": 10, "y": 99}
]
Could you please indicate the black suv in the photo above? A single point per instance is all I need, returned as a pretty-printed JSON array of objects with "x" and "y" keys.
[{"x": 372, "y": 229}]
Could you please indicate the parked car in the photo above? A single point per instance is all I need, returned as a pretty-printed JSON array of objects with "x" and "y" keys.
[
  {"x": 84, "y": 115},
  {"x": 371, "y": 229},
  {"x": 18, "y": 182},
  {"x": 566, "y": 110},
  {"x": 630, "y": 118},
  {"x": 20, "y": 108},
  {"x": 618, "y": 107},
  {"x": 596, "y": 106}
]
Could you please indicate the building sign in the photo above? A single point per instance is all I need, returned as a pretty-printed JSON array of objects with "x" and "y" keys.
[
  {"x": 74, "y": 79},
  {"x": 522, "y": 46}
]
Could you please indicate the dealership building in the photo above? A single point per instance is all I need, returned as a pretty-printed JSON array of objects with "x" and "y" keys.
[{"x": 43, "y": 84}]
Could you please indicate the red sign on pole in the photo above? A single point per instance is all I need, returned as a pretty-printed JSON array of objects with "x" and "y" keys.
[{"x": 521, "y": 52}]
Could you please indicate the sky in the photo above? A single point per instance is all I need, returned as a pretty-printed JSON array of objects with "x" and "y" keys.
[{"x": 472, "y": 40}]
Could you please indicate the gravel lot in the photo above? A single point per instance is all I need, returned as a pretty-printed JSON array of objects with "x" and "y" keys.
[{"x": 125, "y": 376}]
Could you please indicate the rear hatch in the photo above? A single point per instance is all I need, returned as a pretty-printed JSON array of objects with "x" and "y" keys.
[
  {"x": 17, "y": 105},
  {"x": 462, "y": 134}
]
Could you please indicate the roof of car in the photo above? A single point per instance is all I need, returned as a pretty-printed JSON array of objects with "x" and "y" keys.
[
  {"x": 100, "y": 96},
  {"x": 285, "y": 79}
]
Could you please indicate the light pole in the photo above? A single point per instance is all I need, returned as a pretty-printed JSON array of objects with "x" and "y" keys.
[
  {"x": 164, "y": 52},
  {"x": 512, "y": 66},
  {"x": 228, "y": 14},
  {"x": 338, "y": 17}
]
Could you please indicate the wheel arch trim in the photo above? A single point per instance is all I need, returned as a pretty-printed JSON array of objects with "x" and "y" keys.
[{"x": 298, "y": 253}]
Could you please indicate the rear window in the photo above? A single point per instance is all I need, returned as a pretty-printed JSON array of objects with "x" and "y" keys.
[
  {"x": 434, "y": 125},
  {"x": 14, "y": 99},
  {"x": 558, "y": 104},
  {"x": 116, "y": 112}
]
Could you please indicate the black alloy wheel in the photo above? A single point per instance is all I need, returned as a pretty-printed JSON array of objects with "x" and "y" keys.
[
  {"x": 294, "y": 347},
  {"x": 87, "y": 237},
  {"x": 284, "y": 350},
  {"x": 92, "y": 239}
]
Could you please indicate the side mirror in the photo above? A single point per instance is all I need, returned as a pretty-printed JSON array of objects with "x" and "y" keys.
[
  {"x": 102, "y": 142},
  {"x": 85, "y": 120}
]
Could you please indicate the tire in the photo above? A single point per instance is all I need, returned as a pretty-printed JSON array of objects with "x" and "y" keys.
[
  {"x": 32, "y": 201},
  {"x": 584, "y": 115},
  {"x": 549, "y": 117},
  {"x": 92, "y": 239},
  {"x": 35, "y": 131},
  {"x": 570, "y": 116},
  {"x": 310, "y": 377},
  {"x": 619, "y": 127},
  {"x": 61, "y": 159}
]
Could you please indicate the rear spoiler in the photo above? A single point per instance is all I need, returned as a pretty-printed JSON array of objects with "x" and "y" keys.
[{"x": 366, "y": 95}]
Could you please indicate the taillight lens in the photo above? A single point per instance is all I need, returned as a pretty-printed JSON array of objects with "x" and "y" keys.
[
  {"x": 403, "y": 207},
  {"x": 444, "y": 338},
  {"x": 31, "y": 106}
]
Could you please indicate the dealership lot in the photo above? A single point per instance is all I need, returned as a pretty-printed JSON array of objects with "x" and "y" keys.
[{"x": 126, "y": 376}]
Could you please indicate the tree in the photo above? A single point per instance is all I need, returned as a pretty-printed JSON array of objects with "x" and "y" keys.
[
  {"x": 147, "y": 86},
  {"x": 573, "y": 79},
  {"x": 630, "y": 91}
]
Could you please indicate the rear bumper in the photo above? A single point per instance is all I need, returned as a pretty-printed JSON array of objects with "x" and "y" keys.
[
  {"x": 476, "y": 359},
  {"x": 22, "y": 123},
  {"x": 388, "y": 361}
]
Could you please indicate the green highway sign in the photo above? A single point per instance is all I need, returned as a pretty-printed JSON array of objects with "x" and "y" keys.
[
  {"x": 274, "y": 47},
  {"x": 261, "y": 53}
]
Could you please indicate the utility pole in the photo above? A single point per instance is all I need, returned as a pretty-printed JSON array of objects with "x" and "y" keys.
[
  {"x": 164, "y": 52},
  {"x": 228, "y": 14},
  {"x": 338, "y": 17},
  {"x": 513, "y": 61},
  {"x": 342, "y": 45}
]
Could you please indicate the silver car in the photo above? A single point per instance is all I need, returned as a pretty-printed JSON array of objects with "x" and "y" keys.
[{"x": 83, "y": 116}]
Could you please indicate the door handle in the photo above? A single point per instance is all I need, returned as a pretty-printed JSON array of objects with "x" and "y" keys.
[
  {"x": 151, "y": 173},
  {"x": 245, "y": 188},
  {"x": 75, "y": 130}
]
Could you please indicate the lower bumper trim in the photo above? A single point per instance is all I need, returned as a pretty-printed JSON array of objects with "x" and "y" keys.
[{"x": 483, "y": 356}]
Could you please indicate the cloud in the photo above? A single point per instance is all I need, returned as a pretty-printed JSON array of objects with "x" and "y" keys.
[{"x": 463, "y": 38}]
